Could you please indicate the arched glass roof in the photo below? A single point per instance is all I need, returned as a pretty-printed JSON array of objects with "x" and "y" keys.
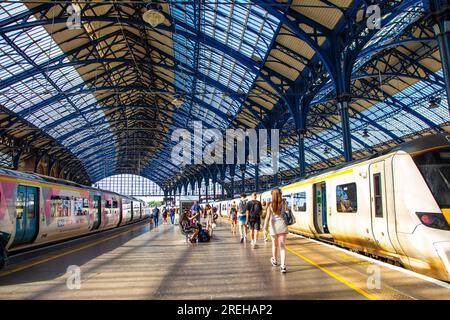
[{"x": 102, "y": 94}]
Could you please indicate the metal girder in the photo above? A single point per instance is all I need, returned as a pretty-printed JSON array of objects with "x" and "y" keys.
[{"x": 189, "y": 33}]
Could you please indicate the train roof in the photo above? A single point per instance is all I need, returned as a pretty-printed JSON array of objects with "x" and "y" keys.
[
  {"x": 413, "y": 147},
  {"x": 43, "y": 178},
  {"x": 425, "y": 143}
]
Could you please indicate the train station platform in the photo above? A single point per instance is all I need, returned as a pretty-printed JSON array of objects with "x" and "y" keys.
[{"x": 145, "y": 262}]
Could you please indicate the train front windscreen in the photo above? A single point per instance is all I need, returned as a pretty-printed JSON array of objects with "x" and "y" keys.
[{"x": 435, "y": 168}]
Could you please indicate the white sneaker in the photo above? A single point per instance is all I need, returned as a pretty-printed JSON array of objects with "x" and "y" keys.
[{"x": 273, "y": 261}]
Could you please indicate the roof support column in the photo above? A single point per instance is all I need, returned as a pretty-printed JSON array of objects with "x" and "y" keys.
[
  {"x": 257, "y": 177},
  {"x": 242, "y": 168},
  {"x": 222, "y": 181},
  {"x": 165, "y": 196},
  {"x": 232, "y": 174},
  {"x": 301, "y": 153},
  {"x": 16, "y": 158},
  {"x": 299, "y": 107},
  {"x": 206, "y": 187},
  {"x": 50, "y": 163},
  {"x": 343, "y": 103},
  {"x": 214, "y": 182},
  {"x": 193, "y": 186},
  {"x": 439, "y": 10},
  {"x": 38, "y": 159},
  {"x": 186, "y": 184},
  {"x": 199, "y": 181}
]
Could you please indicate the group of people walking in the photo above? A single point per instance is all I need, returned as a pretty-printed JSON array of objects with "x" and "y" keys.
[
  {"x": 165, "y": 213},
  {"x": 253, "y": 214},
  {"x": 246, "y": 215}
]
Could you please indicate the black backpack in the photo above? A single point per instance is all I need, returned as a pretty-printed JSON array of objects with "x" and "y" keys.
[
  {"x": 242, "y": 206},
  {"x": 256, "y": 210},
  {"x": 203, "y": 236}
]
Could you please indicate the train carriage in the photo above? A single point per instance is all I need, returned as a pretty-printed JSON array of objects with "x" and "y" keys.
[
  {"x": 394, "y": 205},
  {"x": 37, "y": 210}
]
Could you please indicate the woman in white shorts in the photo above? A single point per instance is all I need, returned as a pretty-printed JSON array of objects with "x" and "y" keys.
[{"x": 278, "y": 229}]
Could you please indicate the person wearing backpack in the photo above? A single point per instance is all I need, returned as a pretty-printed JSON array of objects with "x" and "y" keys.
[
  {"x": 242, "y": 217},
  {"x": 254, "y": 210}
]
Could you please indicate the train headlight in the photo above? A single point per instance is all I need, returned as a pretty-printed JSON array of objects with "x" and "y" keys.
[{"x": 433, "y": 220}]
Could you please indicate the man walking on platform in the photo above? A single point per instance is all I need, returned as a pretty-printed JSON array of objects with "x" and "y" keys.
[
  {"x": 242, "y": 217},
  {"x": 172, "y": 215},
  {"x": 156, "y": 216},
  {"x": 254, "y": 210}
]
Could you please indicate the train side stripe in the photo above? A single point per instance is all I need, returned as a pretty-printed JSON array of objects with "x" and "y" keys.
[
  {"x": 38, "y": 184},
  {"x": 318, "y": 179},
  {"x": 335, "y": 276}
]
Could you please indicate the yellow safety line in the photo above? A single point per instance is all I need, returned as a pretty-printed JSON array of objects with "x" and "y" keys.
[
  {"x": 3, "y": 274},
  {"x": 330, "y": 273},
  {"x": 335, "y": 276}
]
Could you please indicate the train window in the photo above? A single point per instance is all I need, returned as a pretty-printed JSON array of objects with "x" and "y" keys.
[
  {"x": 115, "y": 204},
  {"x": 346, "y": 198},
  {"x": 435, "y": 169},
  {"x": 31, "y": 209},
  {"x": 78, "y": 207},
  {"x": 108, "y": 204},
  {"x": 288, "y": 201},
  {"x": 299, "y": 201},
  {"x": 85, "y": 203},
  {"x": 19, "y": 205},
  {"x": 60, "y": 206},
  {"x": 377, "y": 195}
]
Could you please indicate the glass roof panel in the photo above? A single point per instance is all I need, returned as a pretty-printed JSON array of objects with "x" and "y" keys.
[{"x": 39, "y": 93}]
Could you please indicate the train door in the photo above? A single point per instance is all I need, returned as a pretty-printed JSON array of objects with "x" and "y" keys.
[
  {"x": 378, "y": 207},
  {"x": 97, "y": 212},
  {"x": 320, "y": 207},
  {"x": 27, "y": 206},
  {"x": 140, "y": 210}
]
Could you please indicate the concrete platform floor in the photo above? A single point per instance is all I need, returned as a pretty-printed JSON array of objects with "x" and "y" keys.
[{"x": 142, "y": 262}]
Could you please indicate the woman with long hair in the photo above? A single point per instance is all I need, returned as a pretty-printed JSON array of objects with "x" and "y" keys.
[
  {"x": 209, "y": 218},
  {"x": 233, "y": 217},
  {"x": 277, "y": 228}
]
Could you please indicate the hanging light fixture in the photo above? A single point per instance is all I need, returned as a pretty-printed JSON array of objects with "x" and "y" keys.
[
  {"x": 326, "y": 151},
  {"x": 153, "y": 16},
  {"x": 434, "y": 103},
  {"x": 177, "y": 100},
  {"x": 365, "y": 134}
]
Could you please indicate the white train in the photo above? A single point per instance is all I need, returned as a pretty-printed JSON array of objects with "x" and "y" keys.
[
  {"x": 37, "y": 210},
  {"x": 395, "y": 205}
]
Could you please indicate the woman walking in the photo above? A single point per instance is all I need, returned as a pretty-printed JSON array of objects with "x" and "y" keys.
[
  {"x": 277, "y": 228},
  {"x": 263, "y": 218},
  {"x": 164, "y": 215},
  {"x": 209, "y": 219},
  {"x": 233, "y": 218}
]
